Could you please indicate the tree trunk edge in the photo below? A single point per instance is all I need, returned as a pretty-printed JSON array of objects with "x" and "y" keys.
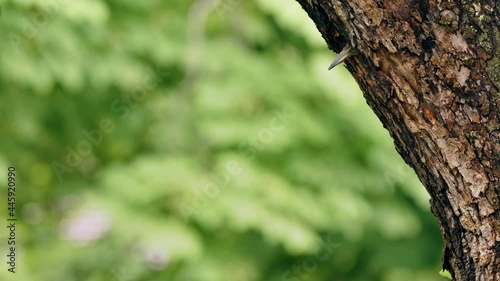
[{"x": 430, "y": 70}]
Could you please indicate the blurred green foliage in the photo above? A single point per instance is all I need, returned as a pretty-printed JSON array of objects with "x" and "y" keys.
[{"x": 174, "y": 140}]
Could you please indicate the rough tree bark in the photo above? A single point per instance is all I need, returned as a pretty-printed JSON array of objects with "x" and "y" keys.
[{"x": 430, "y": 70}]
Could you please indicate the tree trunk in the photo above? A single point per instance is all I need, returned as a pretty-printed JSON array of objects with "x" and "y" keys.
[{"x": 430, "y": 70}]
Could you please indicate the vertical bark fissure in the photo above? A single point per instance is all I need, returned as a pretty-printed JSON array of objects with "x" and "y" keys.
[{"x": 430, "y": 70}]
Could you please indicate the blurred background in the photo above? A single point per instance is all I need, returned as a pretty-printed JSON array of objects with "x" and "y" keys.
[{"x": 197, "y": 141}]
